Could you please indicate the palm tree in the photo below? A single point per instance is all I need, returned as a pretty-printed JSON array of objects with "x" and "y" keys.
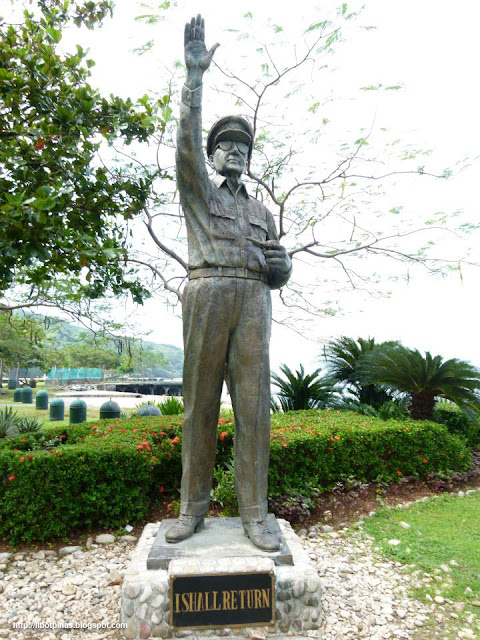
[
  {"x": 343, "y": 356},
  {"x": 303, "y": 391},
  {"x": 424, "y": 377}
]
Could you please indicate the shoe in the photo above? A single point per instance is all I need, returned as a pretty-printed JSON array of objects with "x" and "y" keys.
[
  {"x": 184, "y": 528},
  {"x": 261, "y": 536}
]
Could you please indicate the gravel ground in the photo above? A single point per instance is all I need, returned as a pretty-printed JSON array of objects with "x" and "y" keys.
[{"x": 365, "y": 596}]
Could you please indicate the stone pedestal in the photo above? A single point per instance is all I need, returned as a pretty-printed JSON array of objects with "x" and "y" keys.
[
  {"x": 220, "y": 549},
  {"x": 222, "y": 537}
]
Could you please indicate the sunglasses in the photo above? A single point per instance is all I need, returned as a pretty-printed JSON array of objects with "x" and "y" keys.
[{"x": 226, "y": 145}]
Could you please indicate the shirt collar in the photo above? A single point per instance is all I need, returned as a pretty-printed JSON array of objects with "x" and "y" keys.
[{"x": 219, "y": 180}]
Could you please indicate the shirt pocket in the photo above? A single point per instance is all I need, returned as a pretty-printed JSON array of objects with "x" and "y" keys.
[
  {"x": 223, "y": 220},
  {"x": 258, "y": 226}
]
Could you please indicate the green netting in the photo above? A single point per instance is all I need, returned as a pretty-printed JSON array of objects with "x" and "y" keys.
[{"x": 70, "y": 375}]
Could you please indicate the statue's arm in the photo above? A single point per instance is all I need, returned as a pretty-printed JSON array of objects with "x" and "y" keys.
[
  {"x": 276, "y": 257},
  {"x": 192, "y": 174}
]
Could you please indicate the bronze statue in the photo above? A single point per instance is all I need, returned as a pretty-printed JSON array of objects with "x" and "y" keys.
[{"x": 235, "y": 258}]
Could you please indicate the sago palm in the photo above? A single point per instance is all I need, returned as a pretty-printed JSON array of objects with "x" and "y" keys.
[
  {"x": 302, "y": 390},
  {"x": 424, "y": 378},
  {"x": 343, "y": 356}
]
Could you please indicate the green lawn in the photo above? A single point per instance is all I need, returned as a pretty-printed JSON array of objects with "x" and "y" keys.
[{"x": 443, "y": 540}]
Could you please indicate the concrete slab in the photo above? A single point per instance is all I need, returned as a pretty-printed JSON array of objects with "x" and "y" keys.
[{"x": 225, "y": 535}]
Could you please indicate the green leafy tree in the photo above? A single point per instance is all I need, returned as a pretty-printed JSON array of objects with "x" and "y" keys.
[
  {"x": 424, "y": 377},
  {"x": 343, "y": 356},
  {"x": 142, "y": 360},
  {"x": 23, "y": 339},
  {"x": 63, "y": 211},
  {"x": 302, "y": 390},
  {"x": 87, "y": 353}
]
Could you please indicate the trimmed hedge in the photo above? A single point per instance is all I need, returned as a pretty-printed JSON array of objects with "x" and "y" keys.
[
  {"x": 102, "y": 473},
  {"x": 107, "y": 473},
  {"x": 321, "y": 448},
  {"x": 458, "y": 423}
]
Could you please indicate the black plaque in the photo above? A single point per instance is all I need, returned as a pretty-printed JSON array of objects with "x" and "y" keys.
[{"x": 222, "y": 600}]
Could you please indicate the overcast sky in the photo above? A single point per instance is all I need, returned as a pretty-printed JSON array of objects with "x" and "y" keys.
[{"x": 431, "y": 48}]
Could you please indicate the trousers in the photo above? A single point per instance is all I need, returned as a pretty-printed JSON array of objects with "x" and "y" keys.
[{"x": 226, "y": 327}]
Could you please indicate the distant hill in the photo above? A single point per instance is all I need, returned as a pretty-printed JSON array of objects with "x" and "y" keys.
[
  {"x": 66, "y": 333},
  {"x": 174, "y": 355}
]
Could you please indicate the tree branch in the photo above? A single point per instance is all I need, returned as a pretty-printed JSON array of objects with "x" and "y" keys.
[
  {"x": 158, "y": 273},
  {"x": 160, "y": 244}
]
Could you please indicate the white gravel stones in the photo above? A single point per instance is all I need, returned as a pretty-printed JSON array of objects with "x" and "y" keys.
[
  {"x": 370, "y": 600},
  {"x": 71, "y": 587},
  {"x": 394, "y": 542},
  {"x": 404, "y": 525}
]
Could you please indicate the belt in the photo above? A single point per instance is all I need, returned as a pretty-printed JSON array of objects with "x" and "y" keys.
[{"x": 227, "y": 272}]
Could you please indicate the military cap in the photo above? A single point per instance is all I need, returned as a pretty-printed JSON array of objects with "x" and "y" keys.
[{"x": 235, "y": 128}]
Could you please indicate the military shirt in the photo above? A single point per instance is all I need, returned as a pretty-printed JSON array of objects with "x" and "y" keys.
[{"x": 219, "y": 222}]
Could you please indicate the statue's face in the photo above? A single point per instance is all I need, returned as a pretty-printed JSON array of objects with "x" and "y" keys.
[{"x": 230, "y": 158}]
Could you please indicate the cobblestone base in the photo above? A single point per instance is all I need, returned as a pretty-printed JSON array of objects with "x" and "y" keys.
[{"x": 146, "y": 601}]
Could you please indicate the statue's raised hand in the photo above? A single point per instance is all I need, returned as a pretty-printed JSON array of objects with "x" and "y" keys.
[{"x": 197, "y": 57}]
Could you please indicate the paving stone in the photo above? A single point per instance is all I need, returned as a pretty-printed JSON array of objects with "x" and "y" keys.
[
  {"x": 65, "y": 551},
  {"x": 105, "y": 538}
]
